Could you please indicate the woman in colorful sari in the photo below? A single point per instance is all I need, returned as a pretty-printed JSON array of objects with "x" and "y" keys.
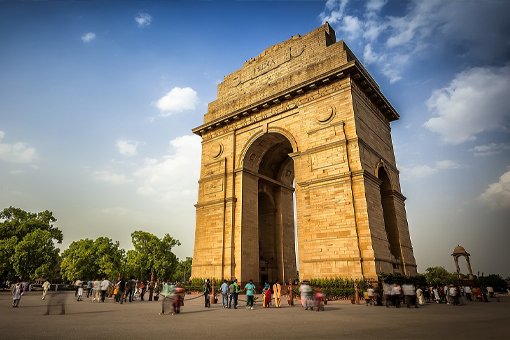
[{"x": 267, "y": 295}]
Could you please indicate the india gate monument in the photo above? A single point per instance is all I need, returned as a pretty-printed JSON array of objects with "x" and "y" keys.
[{"x": 297, "y": 146}]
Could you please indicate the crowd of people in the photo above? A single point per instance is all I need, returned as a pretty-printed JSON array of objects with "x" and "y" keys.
[
  {"x": 395, "y": 295},
  {"x": 387, "y": 294}
]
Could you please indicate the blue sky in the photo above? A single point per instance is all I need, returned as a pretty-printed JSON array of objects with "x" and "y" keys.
[{"x": 98, "y": 99}]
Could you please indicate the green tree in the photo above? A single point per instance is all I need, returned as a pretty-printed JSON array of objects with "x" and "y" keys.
[
  {"x": 36, "y": 256},
  {"x": 152, "y": 256},
  {"x": 183, "y": 270},
  {"x": 439, "y": 276},
  {"x": 27, "y": 243},
  {"x": 88, "y": 259},
  {"x": 493, "y": 280},
  {"x": 19, "y": 223}
]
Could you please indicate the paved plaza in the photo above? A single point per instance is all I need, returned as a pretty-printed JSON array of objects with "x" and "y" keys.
[{"x": 137, "y": 320}]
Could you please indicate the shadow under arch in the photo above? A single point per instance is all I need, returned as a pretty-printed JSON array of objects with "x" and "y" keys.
[
  {"x": 389, "y": 211},
  {"x": 268, "y": 234}
]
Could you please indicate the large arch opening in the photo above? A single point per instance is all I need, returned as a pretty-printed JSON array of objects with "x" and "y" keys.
[
  {"x": 390, "y": 216},
  {"x": 270, "y": 184}
]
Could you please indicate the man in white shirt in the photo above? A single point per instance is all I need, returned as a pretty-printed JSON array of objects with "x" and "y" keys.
[{"x": 104, "y": 287}]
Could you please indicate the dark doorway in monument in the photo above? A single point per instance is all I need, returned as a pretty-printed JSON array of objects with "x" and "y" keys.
[
  {"x": 268, "y": 160},
  {"x": 390, "y": 217}
]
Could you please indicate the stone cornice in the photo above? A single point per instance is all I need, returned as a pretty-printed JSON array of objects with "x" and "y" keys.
[{"x": 352, "y": 69}]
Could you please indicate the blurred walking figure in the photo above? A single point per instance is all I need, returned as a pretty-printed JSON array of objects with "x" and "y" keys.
[
  {"x": 467, "y": 291},
  {"x": 96, "y": 291},
  {"x": 45, "y": 287},
  {"x": 409, "y": 294},
  {"x": 387, "y": 294},
  {"x": 319, "y": 300},
  {"x": 396, "y": 291},
  {"x": 420, "y": 296},
  {"x": 80, "y": 292},
  {"x": 277, "y": 293},
  {"x": 166, "y": 291},
  {"x": 16, "y": 291},
  {"x": 306, "y": 295},
  {"x": 370, "y": 296},
  {"x": 177, "y": 298}
]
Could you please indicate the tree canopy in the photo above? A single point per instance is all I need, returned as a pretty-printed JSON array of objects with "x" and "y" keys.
[
  {"x": 439, "y": 276},
  {"x": 151, "y": 255},
  {"x": 88, "y": 259},
  {"x": 27, "y": 244}
]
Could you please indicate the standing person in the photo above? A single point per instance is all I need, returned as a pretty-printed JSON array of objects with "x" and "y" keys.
[
  {"x": 207, "y": 290},
  {"x": 120, "y": 291},
  {"x": 233, "y": 290},
  {"x": 16, "y": 291},
  {"x": 267, "y": 295},
  {"x": 142, "y": 288},
  {"x": 277, "y": 293},
  {"x": 104, "y": 287},
  {"x": 250, "y": 293},
  {"x": 130, "y": 288},
  {"x": 224, "y": 294},
  {"x": 45, "y": 287},
  {"x": 90, "y": 285}
]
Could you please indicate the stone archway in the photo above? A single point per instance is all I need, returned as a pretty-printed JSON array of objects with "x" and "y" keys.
[
  {"x": 302, "y": 120},
  {"x": 267, "y": 182}
]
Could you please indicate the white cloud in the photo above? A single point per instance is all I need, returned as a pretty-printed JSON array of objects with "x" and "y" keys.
[
  {"x": 489, "y": 149},
  {"x": 497, "y": 195},
  {"x": 143, "y": 19},
  {"x": 368, "y": 55},
  {"x": 476, "y": 101},
  {"x": 352, "y": 26},
  {"x": 375, "y": 5},
  {"x": 88, "y": 37},
  {"x": 175, "y": 175},
  {"x": 176, "y": 100},
  {"x": 16, "y": 153},
  {"x": 334, "y": 11},
  {"x": 127, "y": 147},
  {"x": 420, "y": 171},
  {"x": 111, "y": 177}
]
